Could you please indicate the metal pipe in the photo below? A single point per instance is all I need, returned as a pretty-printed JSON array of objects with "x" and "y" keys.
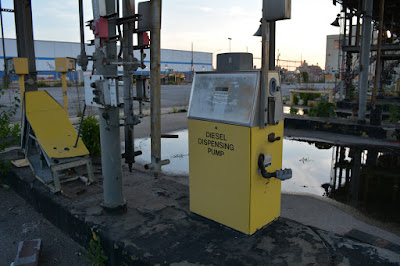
[
  {"x": 155, "y": 85},
  {"x": 264, "y": 72},
  {"x": 128, "y": 9},
  {"x": 343, "y": 54},
  {"x": 64, "y": 90},
  {"x": 82, "y": 60},
  {"x": 364, "y": 60},
  {"x": 5, "y": 78},
  {"x": 349, "y": 61},
  {"x": 25, "y": 42},
  {"x": 111, "y": 158},
  {"x": 272, "y": 30},
  {"x": 378, "y": 53},
  {"x": 109, "y": 118}
]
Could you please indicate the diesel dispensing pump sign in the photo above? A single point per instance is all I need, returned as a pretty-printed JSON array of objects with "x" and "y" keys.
[{"x": 216, "y": 143}]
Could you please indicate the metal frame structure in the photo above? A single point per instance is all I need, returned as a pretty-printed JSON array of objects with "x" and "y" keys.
[{"x": 358, "y": 38}]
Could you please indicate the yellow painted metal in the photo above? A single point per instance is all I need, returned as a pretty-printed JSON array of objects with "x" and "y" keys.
[
  {"x": 64, "y": 88},
  {"x": 52, "y": 127},
  {"x": 225, "y": 185},
  {"x": 65, "y": 64},
  {"x": 21, "y": 81},
  {"x": 265, "y": 199},
  {"x": 219, "y": 176},
  {"x": 21, "y": 66}
]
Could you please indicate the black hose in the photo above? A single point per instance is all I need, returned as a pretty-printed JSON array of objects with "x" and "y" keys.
[{"x": 261, "y": 166}]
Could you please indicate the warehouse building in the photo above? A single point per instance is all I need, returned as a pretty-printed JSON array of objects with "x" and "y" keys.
[{"x": 46, "y": 51}]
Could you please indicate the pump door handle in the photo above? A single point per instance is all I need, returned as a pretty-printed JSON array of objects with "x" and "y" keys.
[{"x": 282, "y": 174}]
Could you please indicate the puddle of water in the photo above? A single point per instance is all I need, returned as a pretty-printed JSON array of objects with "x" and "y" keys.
[
  {"x": 311, "y": 166},
  {"x": 176, "y": 150},
  {"x": 369, "y": 180}
]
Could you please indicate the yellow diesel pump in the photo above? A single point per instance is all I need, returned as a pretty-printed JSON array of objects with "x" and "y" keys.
[
  {"x": 64, "y": 65},
  {"x": 234, "y": 163},
  {"x": 236, "y": 135}
]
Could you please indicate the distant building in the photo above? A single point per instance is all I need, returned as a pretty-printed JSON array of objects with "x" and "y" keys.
[
  {"x": 332, "y": 54},
  {"x": 46, "y": 51},
  {"x": 315, "y": 73}
]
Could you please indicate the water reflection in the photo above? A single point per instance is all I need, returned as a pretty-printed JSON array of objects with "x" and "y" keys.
[{"x": 366, "y": 179}]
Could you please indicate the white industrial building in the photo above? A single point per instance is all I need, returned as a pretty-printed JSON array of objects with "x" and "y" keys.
[
  {"x": 46, "y": 51},
  {"x": 333, "y": 54}
]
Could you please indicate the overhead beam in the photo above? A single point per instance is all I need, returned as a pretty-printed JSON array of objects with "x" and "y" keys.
[{"x": 386, "y": 47}]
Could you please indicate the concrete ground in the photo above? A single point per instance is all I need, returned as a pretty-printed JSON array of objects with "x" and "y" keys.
[{"x": 158, "y": 227}]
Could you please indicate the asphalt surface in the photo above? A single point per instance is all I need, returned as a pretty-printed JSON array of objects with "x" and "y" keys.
[
  {"x": 19, "y": 222},
  {"x": 171, "y": 96}
]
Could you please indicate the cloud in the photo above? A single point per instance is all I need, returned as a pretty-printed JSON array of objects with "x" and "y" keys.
[
  {"x": 237, "y": 11},
  {"x": 206, "y": 9}
]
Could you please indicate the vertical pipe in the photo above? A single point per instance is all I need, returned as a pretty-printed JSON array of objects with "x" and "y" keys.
[
  {"x": 21, "y": 81},
  {"x": 192, "y": 64},
  {"x": 155, "y": 85},
  {"x": 111, "y": 158},
  {"x": 81, "y": 26},
  {"x": 5, "y": 78},
  {"x": 364, "y": 58},
  {"x": 25, "y": 43},
  {"x": 109, "y": 119},
  {"x": 378, "y": 53},
  {"x": 128, "y": 9},
  {"x": 343, "y": 53},
  {"x": 264, "y": 72},
  {"x": 64, "y": 89},
  {"x": 349, "y": 62},
  {"x": 272, "y": 30},
  {"x": 83, "y": 60}
]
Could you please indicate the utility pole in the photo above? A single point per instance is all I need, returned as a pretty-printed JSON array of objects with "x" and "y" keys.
[
  {"x": 155, "y": 87},
  {"x": 109, "y": 116},
  {"x": 364, "y": 60},
  {"x": 25, "y": 43}
]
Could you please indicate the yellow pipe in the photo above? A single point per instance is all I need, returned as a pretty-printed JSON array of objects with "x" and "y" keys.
[
  {"x": 64, "y": 87},
  {"x": 21, "y": 81}
]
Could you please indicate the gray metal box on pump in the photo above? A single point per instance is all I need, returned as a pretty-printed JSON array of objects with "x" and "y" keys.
[
  {"x": 230, "y": 62},
  {"x": 226, "y": 97},
  {"x": 276, "y": 9},
  {"x": 144, "y": 23}
]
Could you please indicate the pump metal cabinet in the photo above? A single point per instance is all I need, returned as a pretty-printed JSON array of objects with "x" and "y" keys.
[{"x": 224, "y": 145}]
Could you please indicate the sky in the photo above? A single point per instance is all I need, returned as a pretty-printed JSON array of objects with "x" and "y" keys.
[{"x": 206, "y": 23}]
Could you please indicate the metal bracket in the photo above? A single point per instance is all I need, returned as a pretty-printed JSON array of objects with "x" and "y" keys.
[{"x": 282, "y": 174}]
